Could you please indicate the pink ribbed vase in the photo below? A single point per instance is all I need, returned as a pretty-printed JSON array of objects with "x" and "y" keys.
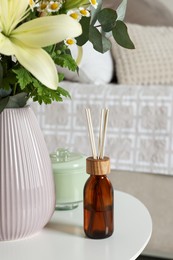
[{"x": 27, "y": 192}]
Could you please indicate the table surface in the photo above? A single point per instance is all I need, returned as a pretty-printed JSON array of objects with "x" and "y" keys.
[{"x": 63, "y": 237}]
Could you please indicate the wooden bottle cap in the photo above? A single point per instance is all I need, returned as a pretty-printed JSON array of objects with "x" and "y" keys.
[{"x": 98, "y": 166}]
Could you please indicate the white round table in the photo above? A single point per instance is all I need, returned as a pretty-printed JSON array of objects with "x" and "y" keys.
[{"x": 63, "y": 238}]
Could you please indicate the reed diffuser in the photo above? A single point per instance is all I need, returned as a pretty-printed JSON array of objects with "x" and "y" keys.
[{"x": 98, "y": 190}]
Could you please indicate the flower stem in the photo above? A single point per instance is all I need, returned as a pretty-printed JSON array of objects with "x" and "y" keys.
[{"x": 14, "y": 90}]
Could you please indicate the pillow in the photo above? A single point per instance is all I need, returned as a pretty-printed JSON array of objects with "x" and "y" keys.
[
  {"x": 145, "y": 12},
  {"x": 151, "y": 62},
  {"x": 95, "y": 67},
  {"x": 148, "y": 12}
]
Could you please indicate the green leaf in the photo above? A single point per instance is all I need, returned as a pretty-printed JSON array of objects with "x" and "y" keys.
[
  {"x": 42, "y": 94},
  {"x": 67, "y": 61},
  {"x": 3, "y": 103},
  {"x": 4, "y": 93},
  {"x": 23, "y": 76},
  {"x": 18, "y": 100},
  {"x": 8, "y": 81},
  {"x": 121, "y": 35},
  {"x": 64, "y": 92},
  {"x": 99, "y": 41},
  {"x": 95, "y": 11},
  {"x": 61, "y": 77},
  {"x": 73, "y": 4},
  {"x": 83, "y": 38},
  {"x": 36, "y": 84},
  {"x": 107, "y": 18}
]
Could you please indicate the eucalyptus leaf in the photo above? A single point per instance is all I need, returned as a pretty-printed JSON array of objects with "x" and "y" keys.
[
  {"x": 18, "y": 100},
  {"x": 107, "y": 18},
  {"x": 83, "y": 38},
  {"x": 99, "y": 41},
  {"x": 121, "y": 35},
  {"x": 95, "y": 11},
  {"x": 121, "y": 10},
  {"x": 3, "y": 103},
  {"x": 4, "y": 93}
]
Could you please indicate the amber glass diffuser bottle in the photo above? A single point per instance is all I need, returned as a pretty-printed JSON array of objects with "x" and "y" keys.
[
  {"x": 98, "y": 200},
  {"x": 98, "y": 190}
]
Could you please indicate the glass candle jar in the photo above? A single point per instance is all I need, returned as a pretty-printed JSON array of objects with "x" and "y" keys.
[{"x": 69, "y": 170}]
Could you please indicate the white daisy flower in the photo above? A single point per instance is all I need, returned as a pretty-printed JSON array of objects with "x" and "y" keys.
[
  {"x": 84, "y": 12},
  {"x": 42, "y": 6},
  {"x": 32, "y": 4},
  {"x": 75, "y": 14},
  {"x": 94, "y": 3},
  {"x": 54, "y": 6},
  {"x": 70, "y": 41}
]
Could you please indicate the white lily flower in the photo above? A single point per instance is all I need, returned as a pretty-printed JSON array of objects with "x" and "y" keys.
[{"x": 26, "y": 40}]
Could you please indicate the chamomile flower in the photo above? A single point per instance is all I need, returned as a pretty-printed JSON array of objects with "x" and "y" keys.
[
  {"x": 54, "y": 6},
  {"x": 42, "y": 6},
  {"x": 70, "y": 41},
  {"x": 94, "y": 3},
  {"x": 32, "y": 4},
  {"x": 75, "y": 14},
  {"x": 84, "y": 12}
]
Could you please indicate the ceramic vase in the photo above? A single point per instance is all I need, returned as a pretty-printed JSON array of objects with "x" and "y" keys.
[{"x": 27, "y": 192}]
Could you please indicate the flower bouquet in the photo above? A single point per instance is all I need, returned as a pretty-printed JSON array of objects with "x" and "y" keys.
[{"x": 35, "y": 37}]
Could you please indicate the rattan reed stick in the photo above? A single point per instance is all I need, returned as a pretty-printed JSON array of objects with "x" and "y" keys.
[
  {"x": 102, "y": 132},
  {"x": 91, "y": 133},
  {"x": 106, "y": 114}
]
